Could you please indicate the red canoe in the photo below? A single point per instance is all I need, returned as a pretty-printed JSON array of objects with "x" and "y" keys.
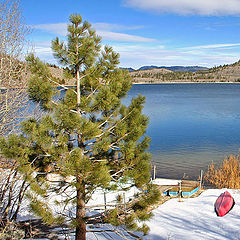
[{"x": 224, "y": 204}]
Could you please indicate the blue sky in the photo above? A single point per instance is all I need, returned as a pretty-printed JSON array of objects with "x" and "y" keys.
[{"x": 145, "y": 32}]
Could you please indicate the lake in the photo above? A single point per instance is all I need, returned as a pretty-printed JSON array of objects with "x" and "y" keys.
[{"x": 191, "y": 125}]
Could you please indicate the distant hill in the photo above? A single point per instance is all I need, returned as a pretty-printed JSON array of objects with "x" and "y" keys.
[
  {"x": 172, "y": 68},
  {"x": 129, "y": 69},
  {"x": 153, "y": 74},
  {"x": 177, "y": 68},
  {"x": 187, "y": 68}
]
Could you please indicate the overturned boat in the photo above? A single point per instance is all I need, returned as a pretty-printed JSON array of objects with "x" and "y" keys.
[{"x": 224, "y": 204}]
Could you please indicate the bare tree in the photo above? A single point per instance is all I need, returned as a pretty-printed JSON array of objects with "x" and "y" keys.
[
  {"x": 13, "y": 102},
  {"x": 13, "y": 74}
]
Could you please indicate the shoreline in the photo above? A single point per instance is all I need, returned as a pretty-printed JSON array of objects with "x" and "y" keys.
[
  {"x": 139, "y": 83},
  {"x": 185, "y": 82}
]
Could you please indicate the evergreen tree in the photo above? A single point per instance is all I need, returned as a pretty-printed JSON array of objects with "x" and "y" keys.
[{"x": 88, "y": 133}]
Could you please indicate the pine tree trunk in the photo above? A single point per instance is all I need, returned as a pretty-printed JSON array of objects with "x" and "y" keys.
[
  {"x": 81, "y": 212},
  {"x": 78, "y": 91}
]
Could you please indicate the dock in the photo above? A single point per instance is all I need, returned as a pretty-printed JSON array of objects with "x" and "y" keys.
[{"x": 171, "y": 187}]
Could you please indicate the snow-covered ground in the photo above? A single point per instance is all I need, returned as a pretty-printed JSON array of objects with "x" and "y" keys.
[
  {"x": 191, "y": 219},
  {"x": 97, "y": 201},
  {"x": 195, "y": 219}
]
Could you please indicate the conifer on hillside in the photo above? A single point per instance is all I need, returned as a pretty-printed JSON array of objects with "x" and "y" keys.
[{"x": 87, "y": 134}]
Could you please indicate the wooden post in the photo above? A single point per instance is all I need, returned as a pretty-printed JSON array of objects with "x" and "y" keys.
[
  {"x": 180, "y": 191},
  {"x": 125, "y": 205},
  {"x": 28, "y": 230},
  {"x": 124, "y": 201},
  {"x": 105, "y": 203},
  {"x": 154, "y": 172},
  {"x": 201, "y": 176}
]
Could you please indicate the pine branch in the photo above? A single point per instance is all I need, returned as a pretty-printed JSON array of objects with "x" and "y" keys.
[
  {"x": 118, "y": 140},
  {"x": 106, "y": 121},
  {"x": 59, "y": 84},
  {"x": 92, "y": 93},
  {"x": 99, "y": 160},
  {"x": 122, "y": 119},
  {"x": 115, "y": 174}
]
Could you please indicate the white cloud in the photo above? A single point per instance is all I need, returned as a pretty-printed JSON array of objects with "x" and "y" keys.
[
  {"x": 112, "y": 26},
  {"x": 42, "y": 47},
  {"x": 138, "y": 55},
  {"x": 214, "y": 46},
  {"x": 122, "y": 37},
  {"x": 188, "y": 7},
  {"x": 56, "y": 28},
  {"x": 105, "y": 30}
]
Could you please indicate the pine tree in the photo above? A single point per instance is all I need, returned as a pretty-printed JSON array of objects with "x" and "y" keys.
[{"x": 88, "y": 133}]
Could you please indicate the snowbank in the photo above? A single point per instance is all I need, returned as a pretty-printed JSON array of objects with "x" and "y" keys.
[{"x": 195, "y": 219}]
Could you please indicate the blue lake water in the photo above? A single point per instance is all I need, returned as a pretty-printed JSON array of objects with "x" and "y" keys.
[{"x": 191, "y": 125}]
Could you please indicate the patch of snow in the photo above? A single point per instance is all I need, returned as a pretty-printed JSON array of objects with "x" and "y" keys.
[
  {"x": 163, "y": 181},
  {"x": 98, "y": 196},
  {"x": 97, "y": 201}
]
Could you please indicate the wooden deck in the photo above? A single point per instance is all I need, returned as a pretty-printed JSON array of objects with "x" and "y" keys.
[{"x": 186, "y": 187}]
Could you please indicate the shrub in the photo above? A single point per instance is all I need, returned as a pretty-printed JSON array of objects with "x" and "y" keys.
[
  {"x": 11, "y": 231},
  {"x": 227, "y": 175}
]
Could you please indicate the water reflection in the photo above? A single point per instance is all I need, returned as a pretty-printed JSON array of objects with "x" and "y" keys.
[{"x": 191, "y": 125}]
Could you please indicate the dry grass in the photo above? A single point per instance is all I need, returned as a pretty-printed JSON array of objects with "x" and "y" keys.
[{"x": 227, "y": 175}]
